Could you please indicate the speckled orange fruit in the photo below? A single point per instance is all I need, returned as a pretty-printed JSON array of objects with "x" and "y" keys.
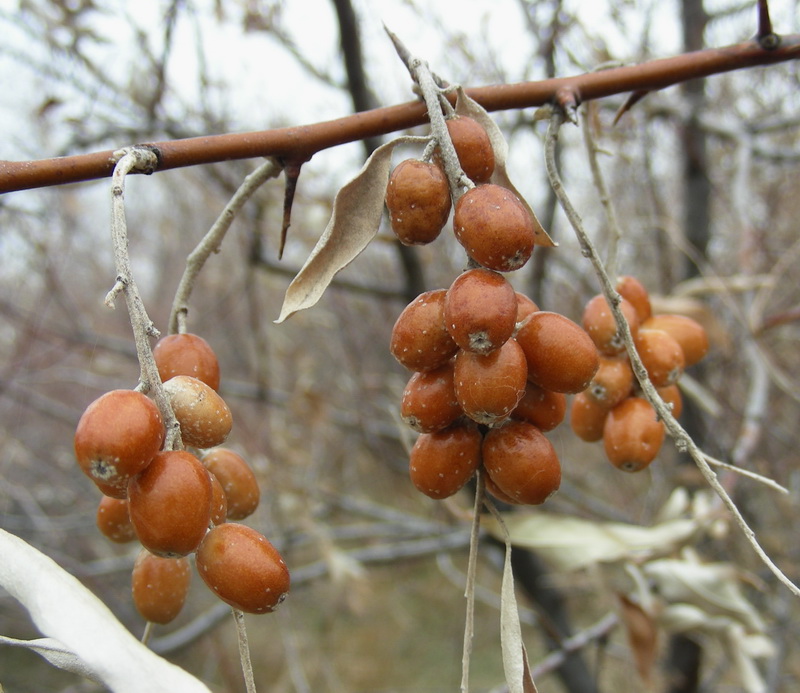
[
  {"x": 525, "y": 306},
  {"x": 599, "y": 323},
  {"x": 159, "y": 586},
  {"x": 186, "y": 354},
  {"x": 633, "y": 291},
  {"x": 114, "y": 521},
  {"x": 238, "y": 481},
  {"x": 429, "y": 400},
  {"x": 418, "y": 200},
  {"x": 473, "y": 147},
  {"x": 494, "y": 227},
  {"x": 243, "y": 568},
  {"x": 543, "y": 408},
  {"x": 632, "y": 435},
  {"x": 689, "y": 333},
  {"x": 613, "y": 381},
  {"x": 671, "y": 394},
  {"x": 441, "y": 463},
  {"x": 219, "y": 503},
  {"x": 587, "y": 417},
  {"x": 204, "y": 416},
  {"x": 522, "y": 462},
  {"x": 661, "y": 356},
  {"x": 560, "y": 355},
  {"x": 420, "y": 341}
]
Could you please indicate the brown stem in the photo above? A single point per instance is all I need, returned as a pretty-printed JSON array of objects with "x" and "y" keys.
[{"x": 297, "y": 142}]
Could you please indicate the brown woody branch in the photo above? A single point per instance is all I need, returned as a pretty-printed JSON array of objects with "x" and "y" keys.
[{"x": 301, "y": 143}]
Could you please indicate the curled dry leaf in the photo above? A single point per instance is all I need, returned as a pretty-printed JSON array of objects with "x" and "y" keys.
[
  {"x": 467, "y": 106},
  {"x": 642, "y": 632},
  {"x": 515, "y": 657},
  {"x": 357, "y": 211}
]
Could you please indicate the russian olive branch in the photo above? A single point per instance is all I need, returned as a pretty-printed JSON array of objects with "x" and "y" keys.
[{"x": 683, "y": 441}]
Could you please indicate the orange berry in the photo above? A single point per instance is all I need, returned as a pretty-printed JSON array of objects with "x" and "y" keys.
[
  {"x": 170, "y": 503},
  {"x": 489, "y": 386},
  {"x": 689, "y": 333},
  {"x": 613, "y": 381},
  {"x": 418, "y": 200},
  {"x": 543, "y": 408},
  {"x": 525, "y": 306},
  {"x": 203, "y": 415},
  {"x": 429, "y": 401},
  {"x": 243, "y": 568},
  {"x": 587, "y": 417},
  {"x": 473, "y": 147},
  {"x": 661, "y": 356},
  {"x": 219, "y": 503},
  {"x": 493, "y": 489},
  {"x": 671, "y": 394},
  {"x": 160, "y": 586},
  {"x": 633, "y": 291},
  {"x": 480, "y": 310},
  {"x": 114, "y": 521},
  {"x": 522, "y": 462},
  {"x": 117, "y": 436},
  {"x": 599, "y": 323},
  {"x": 494, "y": 227},
  {"x": 420, "y": 341},
  {"x": 186, "y": 354},
  {"x": 632, "y": 435},
  {"x": 238, "y": 481},
  {"x": 560, "y": 355},
  {"x": 441, "y": 463}
]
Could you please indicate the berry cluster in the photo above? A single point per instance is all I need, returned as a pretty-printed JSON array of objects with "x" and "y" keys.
[
  {"x": 177, "y": 502},
  {"x": 491, "y": 371},
  {"x": 611, "y": 408}
]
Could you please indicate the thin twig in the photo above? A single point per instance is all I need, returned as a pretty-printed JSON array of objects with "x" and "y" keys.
[
  {"x": 469, "y": 626},
  {"x": 683, "y": 440},
  {"x": 244, "y": 651},
  {"x": 746, "y": 472}
]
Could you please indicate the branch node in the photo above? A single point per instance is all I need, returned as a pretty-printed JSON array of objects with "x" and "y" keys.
[{"x": 116, "y": 290}]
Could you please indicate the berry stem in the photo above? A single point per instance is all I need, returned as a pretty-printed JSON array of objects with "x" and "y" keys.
[
  {"x": 244, "y": 651},
  {"x": 683, "y": 441}
]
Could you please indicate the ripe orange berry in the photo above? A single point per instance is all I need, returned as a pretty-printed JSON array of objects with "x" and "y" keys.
[
  {"x": 243, "y": 568},
  {"x": 186, "y": 354},
  {"x": 441, "y": 463},
  {"x": 689, "y": 333},
  {"x": 117, "y": 436},
  {"x": 203, "y": 415},
  {"x": 489, "y": 386},
  {"x": 114, "y": 521},
  {"x": 560, "y": 355},
  {"x": 525, "y": 306},
  {"x": 480, "y": 310},
  {"x": 420, "y": 341},
  {"x": 633, "y": 291},
  {"x": 671, "y": 394},
  {"x": 219, "y": 503},
  {"x": 418, "y": 200},
  {"x": 598, "y": 321},
  {"x": 238, "y": 481},
  {"x": 494, "y": 227},
  {"x": 613, "y": 381},
  {"x": 493, "y": 489},
  {"x": 587, "y": 417},
  {"x": 429, "y": 401},
  {"x": 160, "y": 586},
  {"x": 661, "y": 356},
  {"x": 543, "y": 408},
  {"x": 522, "y": 462},
  {"x": 170, "y": 504},
  {"x": 473, "y": 147},
  {"x": 632, "y": 435}
]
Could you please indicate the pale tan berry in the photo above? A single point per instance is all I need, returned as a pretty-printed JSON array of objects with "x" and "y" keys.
[{"x": 204, "y": 416}]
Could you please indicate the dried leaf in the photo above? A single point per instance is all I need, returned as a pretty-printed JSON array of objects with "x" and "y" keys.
[
  {"x": 63, "y": 609},
  {"x": 357, "y": 211},
  {"x": 55, "y": 653},
  {"x": 467, "y": 106},
  {"x": 642, "y": 636}
]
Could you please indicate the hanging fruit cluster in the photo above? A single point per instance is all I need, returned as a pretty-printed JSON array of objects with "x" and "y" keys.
[
  {"x": 611, "y": 408},
  {"x": 177, "y": 502},
  {"x": 490, "y": 370}
]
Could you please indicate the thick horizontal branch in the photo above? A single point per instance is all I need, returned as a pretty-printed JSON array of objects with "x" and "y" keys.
[{"x": 301, "y": 143}]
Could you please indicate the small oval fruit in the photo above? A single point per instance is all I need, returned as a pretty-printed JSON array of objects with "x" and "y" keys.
[
  {"x": 480, "y": 310},
  {"x": 543, "y": 408},
  {"x": 243, "y": 568},
  {"x": 114, "y": 521},
  {"x": 219, "y": 503},
  {"x": 238, "y": 481},
  {"x": 599, "y": 323},
  {"x": 493, "y": 489},
  {"x": 170, "y": 503},
  {"x": 418, "y": 200},
  {"x": 117, "y": 436},
  {"x": 632, "y": 435},
  {"x": 525, "y": 306},
  {"x": 494, "y": 227},
  {"x": 689, "y": 333},
  {"x": 633, "y": 291},
  {"x": 661, "y": 356},
  {"x": 489, "y": 386},
  {"x": 420, "y": 341},
  {"x": 671, "y": 394},
  {"x": 203, "y": 415},
  {"x": 429, "y": 400},
  {"x": 587, "y": 417},
  {"x": 159, "y": 586},
  {"x": 186, "y": 354},
  {"x": 473, "y": 147},
  {"x": 613, "y": 381},
  {"x": 440, "y": 463},
  {"x": 522, "y": 462},
  {"x": 561, "y": 357}
]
